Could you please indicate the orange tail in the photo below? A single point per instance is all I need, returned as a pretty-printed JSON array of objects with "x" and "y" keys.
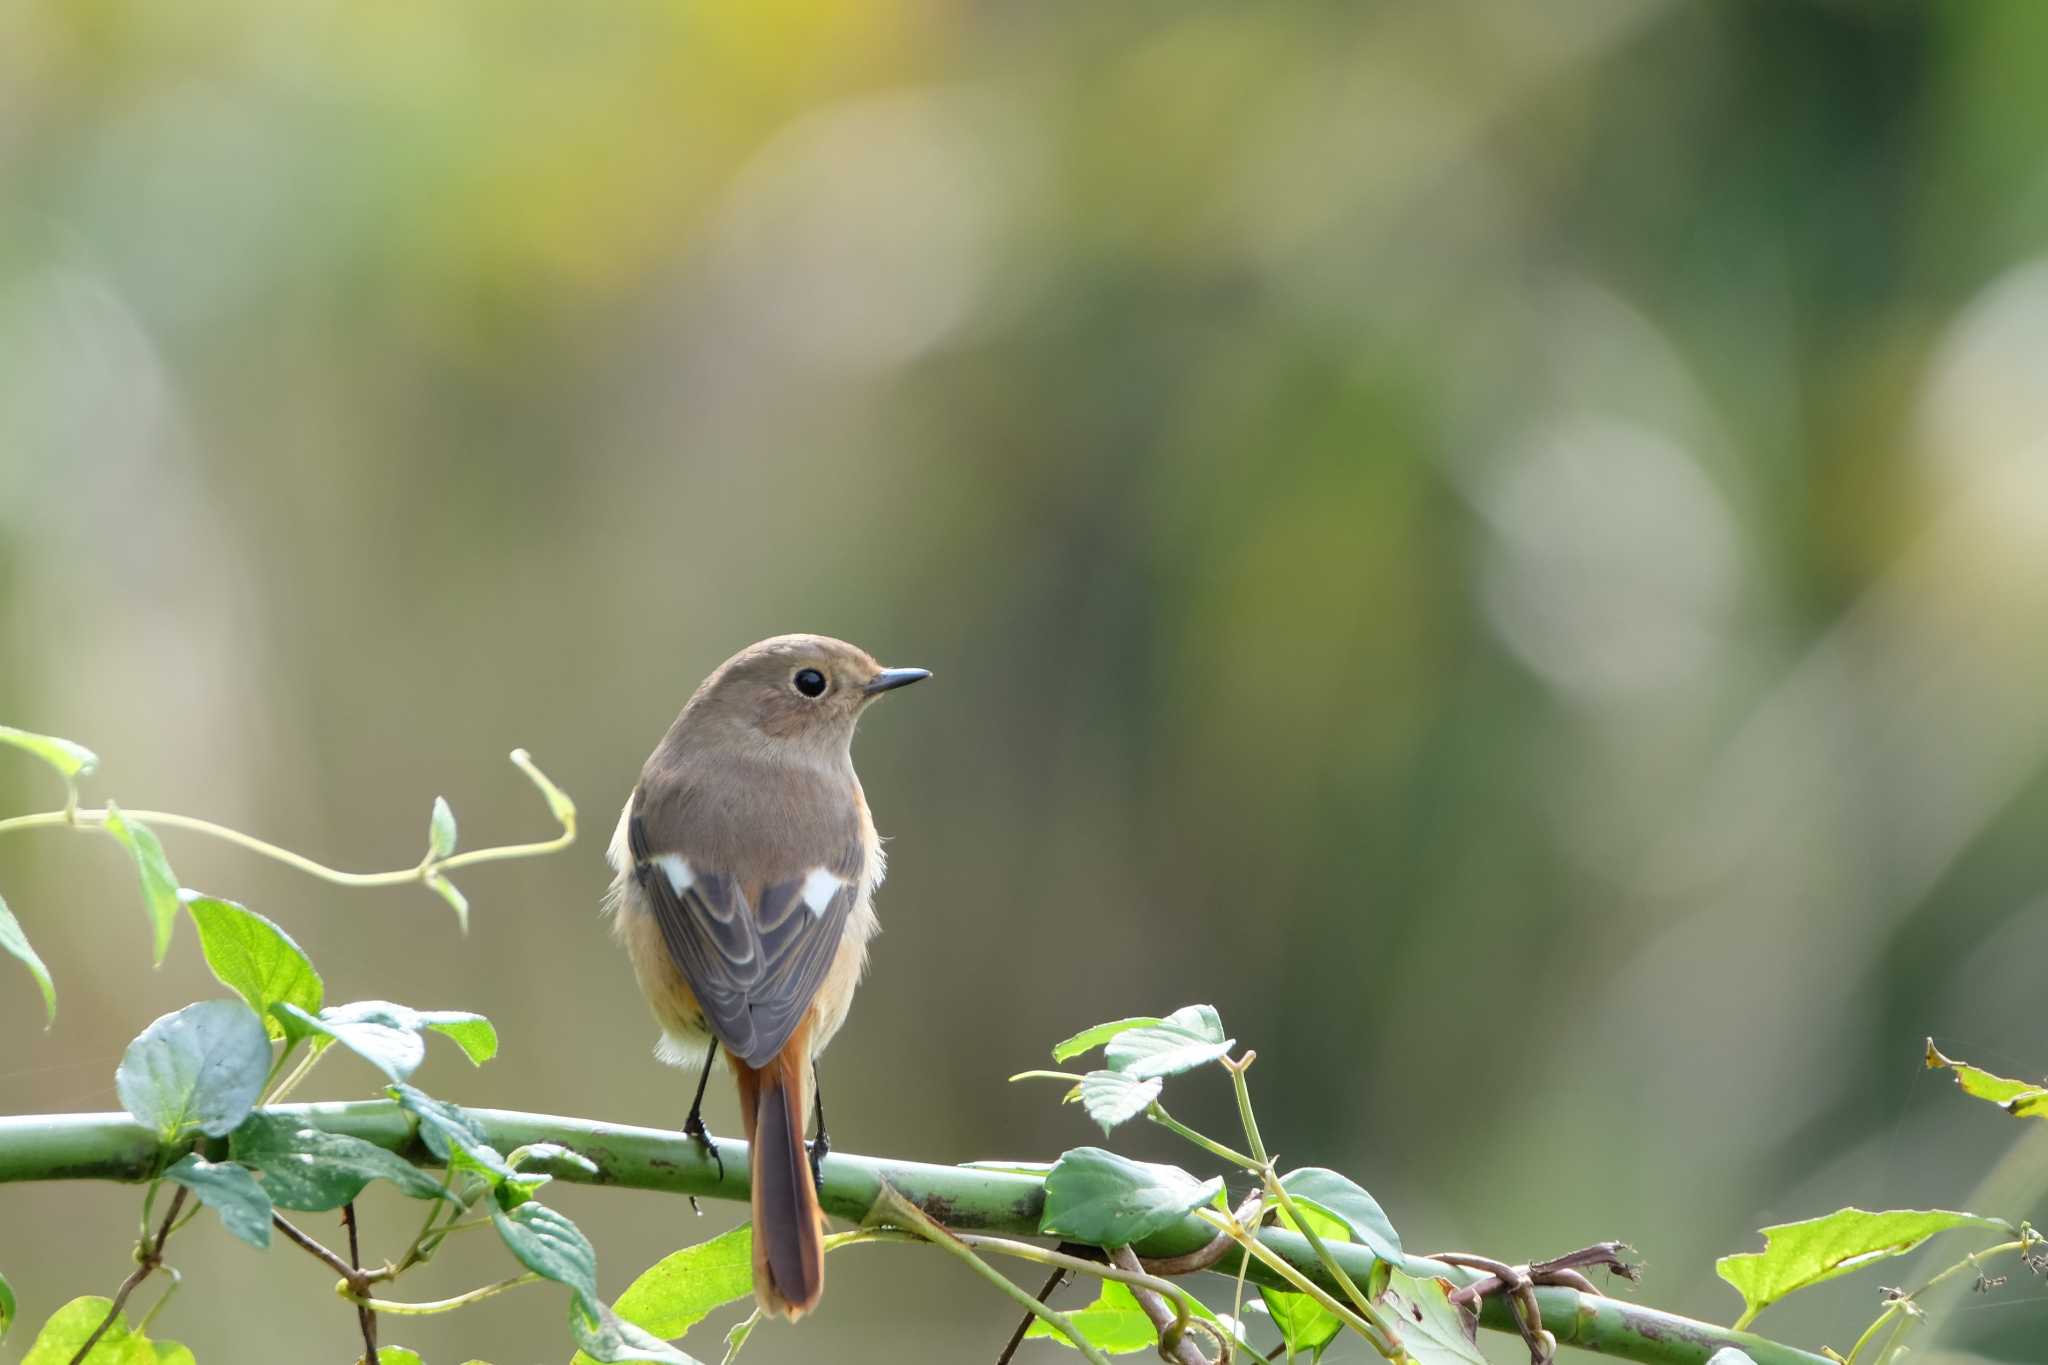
[{"x": 789, "y": 1250}]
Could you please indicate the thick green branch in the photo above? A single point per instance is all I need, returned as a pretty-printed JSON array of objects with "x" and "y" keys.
[{"x": 115, "y": 1147}]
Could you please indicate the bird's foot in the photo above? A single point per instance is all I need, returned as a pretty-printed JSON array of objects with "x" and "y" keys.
[
  {"x": 819, "y": 1147},
  {"x": 694, "y": 1129}
]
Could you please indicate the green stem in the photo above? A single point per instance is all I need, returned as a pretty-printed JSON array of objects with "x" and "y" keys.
[
  {"x": 436, "y": 1305},
  {"x": 894, "y": 1207},
  {"x": 116, "y": 1147},
  {"x": 299, "y": 1073},
  {"x": 1278, "y": 1193},
  {"x": 564, "y": 811},
  {"x": 1296, "y": 1279},
  {"x": 1157, "y": 1113}
]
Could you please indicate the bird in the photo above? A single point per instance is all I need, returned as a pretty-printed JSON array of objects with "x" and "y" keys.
[{"x": 744, "y": 865}]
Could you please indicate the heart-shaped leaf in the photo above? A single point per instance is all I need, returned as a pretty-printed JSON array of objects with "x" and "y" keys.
[
  {"x": 254, "y": 958},
  {"x": 1799, "y": 1255},
  {"x": 385, "y": 1035},
  {"x": 1108, "y": 1200},
  {"x": 1113, "y": 1098},
  {"x": 549, "y": 1245},
  {"x": 229, "y": 1189},
  {"x": 309, "y": 1170},
  {"x": 678, "y": 1291},
  {"x": 202, "y": 1067},
  {"x": 1187, "y": 1038},
  {"x": 1343, "y": 1199},
  {"x": 1435, "y": 1330}
]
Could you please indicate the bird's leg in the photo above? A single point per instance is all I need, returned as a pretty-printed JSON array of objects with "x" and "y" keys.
[
  {"x": 821, "y": 1145},
  {"x": 693, "y": 1126}
]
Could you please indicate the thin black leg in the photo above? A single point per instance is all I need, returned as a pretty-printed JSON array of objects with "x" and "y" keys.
[
  {"x": 820, "y": 1146},
  {"x": 693, "y": 1126}
]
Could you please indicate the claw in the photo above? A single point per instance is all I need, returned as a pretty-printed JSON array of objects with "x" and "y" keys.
[
  {"x": 819, "y": 1147},
  {"x": 693, "y": 1128}
]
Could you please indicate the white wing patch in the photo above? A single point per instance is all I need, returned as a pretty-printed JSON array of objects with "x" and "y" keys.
[
  {"x": 678, "y": 871},
  {"x": 819, "y": 889}
]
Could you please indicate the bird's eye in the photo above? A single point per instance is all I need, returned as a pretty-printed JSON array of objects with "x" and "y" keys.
[{"x": 810, "y": 682}]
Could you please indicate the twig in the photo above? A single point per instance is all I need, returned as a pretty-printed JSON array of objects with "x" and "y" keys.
[
  {"x": 366, "y": 1316},
  {"x": 894, "y": 1207},
  {"x": 1202, "y": 1257},
  {"x": 148, "y": 1256},
  {"x": 326, "y": 1257},
  {"x": 1174, "y": 1344},
  {"x": 1052, "y": 1284}
]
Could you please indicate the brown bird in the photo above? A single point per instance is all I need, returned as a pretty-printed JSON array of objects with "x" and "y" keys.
[{"x": 746, "y": 864}]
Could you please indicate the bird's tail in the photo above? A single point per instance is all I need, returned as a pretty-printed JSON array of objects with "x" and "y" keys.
[{"x": 789, "y": 1250}]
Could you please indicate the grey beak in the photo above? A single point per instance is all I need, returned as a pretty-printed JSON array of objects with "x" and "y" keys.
[{"x": 889, "y": 679}]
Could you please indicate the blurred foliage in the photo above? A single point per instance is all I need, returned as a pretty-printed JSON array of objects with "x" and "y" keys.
[{"x": 1474, "y": 531}]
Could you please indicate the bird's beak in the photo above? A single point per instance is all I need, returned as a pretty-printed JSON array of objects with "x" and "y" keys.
[{"x": 889, "y": 679}]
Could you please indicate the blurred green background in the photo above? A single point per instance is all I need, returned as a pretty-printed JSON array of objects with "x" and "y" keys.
[{"x": 1505, "y": 546}]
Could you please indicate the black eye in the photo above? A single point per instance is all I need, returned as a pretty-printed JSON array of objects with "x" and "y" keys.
[{"x": 810, "y": 682}]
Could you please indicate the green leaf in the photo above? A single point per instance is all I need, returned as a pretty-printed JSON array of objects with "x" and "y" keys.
[
  {"x": 1798, "y": 1255},
  {"x": 445, "y": 889},
  {"x": 67, "y": 1330},
  {"x": 1113, "y": 1323},
  {"x": 385, "y": 1035},
  {"x": 472, "y": 1033},
  {"x": 397, "y": 1355},
  {"x": 1305, "y": 1325},
  {"x": 202, "y": 1067},
  {"x": 159, "y": 883},
  {"x": 1113, "y": 1098},
  {"x": 2021, "y": 1099},
  {"x": 1108, "y": 1200},
  {"x": 1435, "y": 1330},
  {"x": 678, "y": 1291},
  {"x": 1343, "y": 1199},
  {"x": 552, "y": 1152},
  {"x": 549, "y": 1245},
  {"x": 171, "y": 1353},
  {"x": 7, "y": 1307},
  {"x": 1100, "y": 1034},
  {"x": 16, "y": 942},
  {"x": 1182, "y": 1041},
  {"x": 229, "y": 1189},
  {"x": 441, "y": 830},
  {"x": 736, "y": 1336},
  {"x": 604, "y": 1336},
  {"x": 452, "y": 1135},
  {"x": 71, "y": 760},
  {"x": 310, "y": 1171},
  {"x": 254, "y": 958}
]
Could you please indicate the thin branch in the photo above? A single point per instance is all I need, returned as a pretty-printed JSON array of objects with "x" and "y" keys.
[
  {"x": 321, "y": 1253},
  {"x": 1045, "y": 1293},
  {"x": 1172, "y": 1335},
  {"x": 149, "y": 1255},
  {"x": 366, "y": 1316}
]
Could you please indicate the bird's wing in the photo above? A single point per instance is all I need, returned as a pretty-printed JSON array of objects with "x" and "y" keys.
[{"x": 754, "y": 954}]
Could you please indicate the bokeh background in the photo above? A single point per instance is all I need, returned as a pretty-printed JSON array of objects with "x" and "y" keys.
[{"x": 1504, "y": 546}]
